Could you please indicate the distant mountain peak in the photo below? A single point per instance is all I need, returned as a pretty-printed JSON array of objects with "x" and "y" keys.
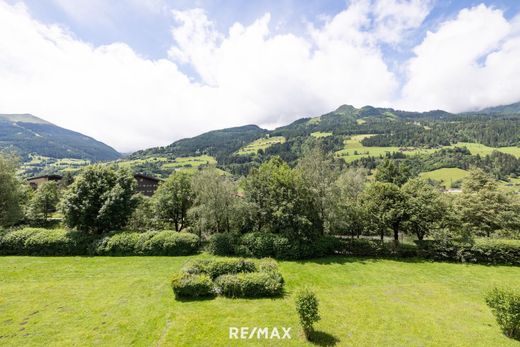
[
  {"x": 23, "y": 118},
  {"x": 504, "y": 109}
]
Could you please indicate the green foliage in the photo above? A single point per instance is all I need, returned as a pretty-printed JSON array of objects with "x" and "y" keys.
[
  {"x": 44, "y": 242},
  {"x": 250, "y": 285},
  {"x": 307, "y": 307},
  {"x": 11, "y": 194},
  {"x": 173, "y": 198},
  {"x": 385, "y": 206},
  {"x": 164, "y": 243},
  {"x": 192, "y": 286},
  {"x": 391, "y": 171},
  {"x": 143, "y": 217},
  {"x": 216, "y": 268},
  {"x": 505, "y": 304},
  {"x": 426, "y": 207},
  {"x": 221, "y": 244},
  {"x": 101, "y": 199},
  {"x": 232, "y": 278},
  {"x": 283, "y": 202},
  {"x": 216, "y": 208},
  {"x": 44, "y": 202}
]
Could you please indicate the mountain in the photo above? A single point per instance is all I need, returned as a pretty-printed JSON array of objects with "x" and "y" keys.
[
  {"x": 360, "y": 136},
  {"x": 30, "y": 135},
  {"x": 504, "y": 109}
]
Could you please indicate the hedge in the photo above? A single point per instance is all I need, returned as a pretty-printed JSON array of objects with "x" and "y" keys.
[
  {"x": 231, "y": 278},
  {"x": 192, "y": 286},
  {"x": 216, "y": 268},
  {"x": 262, "y": 244},
  {"x": 44, "y": 242},
  {"x": 165, "y": 243},
  {"x": 60, "y": 242},
  {"x": 505, "y": 304}
]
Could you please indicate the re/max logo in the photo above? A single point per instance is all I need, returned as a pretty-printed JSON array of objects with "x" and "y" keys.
[{"x": 245, "y": 333}]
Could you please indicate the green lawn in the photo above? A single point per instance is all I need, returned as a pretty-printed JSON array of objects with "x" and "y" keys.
[
  {"x": 320, "y": 134},
  {"x": 255, "y": 146},
  {"x": 354, "y": 149},
  {"x": 446, "y": 175},
  {"x": 82, "y": 301}
]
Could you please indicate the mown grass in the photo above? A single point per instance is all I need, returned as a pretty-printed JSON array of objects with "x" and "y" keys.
[
  {"x": 354, "y": 149},
  {"x": 255, "y": 146},
  {"x": 320, "y": 134},
  {"x": 446, "y": 175},
  {"x": 128, "y": 301}
]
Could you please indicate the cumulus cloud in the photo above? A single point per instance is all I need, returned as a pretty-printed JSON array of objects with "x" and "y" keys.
[
  {"x": 469, "y": 62},
  {"x": 247, "y": 75},
  {"x": 250, "y": 75}
]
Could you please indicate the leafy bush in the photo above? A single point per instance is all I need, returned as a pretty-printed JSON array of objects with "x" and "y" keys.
[
  {"x": 231, "y": 277},
  {"x": 261, "y": 245},
  {"x": 44, "y": 242},
  {"x": 118, "y": 244},
  {"x": 307, "y": 308},
  {"x": 221, "y": 244},
  {"x": 166, "y": 243},
  {"x": 216, "y": 268},
  {"x": 250, "y": 285},
  {"x": 375, "y": 248},
  {"x": 505, "y": 305},
  {"x": 172, "y": 243},
  {"x": 192, "y": 286}
]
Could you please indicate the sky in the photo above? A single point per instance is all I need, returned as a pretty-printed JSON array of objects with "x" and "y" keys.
[{"x": 143, "y": 73}]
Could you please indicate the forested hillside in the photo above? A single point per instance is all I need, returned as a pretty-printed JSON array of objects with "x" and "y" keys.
[
  {"x": 29, "y": 135},
  {"x": 426, "y": 141}
]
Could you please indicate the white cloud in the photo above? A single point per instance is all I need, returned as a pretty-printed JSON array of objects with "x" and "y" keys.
[
  {"x": 469, "y": 62},
  {"x": 247, "y": 75}
]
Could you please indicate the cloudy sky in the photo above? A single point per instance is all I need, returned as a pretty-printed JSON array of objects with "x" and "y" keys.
[{"x": 142, "y": 73}]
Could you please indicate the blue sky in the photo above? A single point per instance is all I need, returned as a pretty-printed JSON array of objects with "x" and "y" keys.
[{"x": 193, "y": 66}]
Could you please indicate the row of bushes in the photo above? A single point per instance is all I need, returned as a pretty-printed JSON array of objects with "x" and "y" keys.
[
  {"x": 261, "y": 245},
  {"x": 234, "y": 278},
  {"x": 59, "y": 242},
  {"x": 490, "y": 251}
]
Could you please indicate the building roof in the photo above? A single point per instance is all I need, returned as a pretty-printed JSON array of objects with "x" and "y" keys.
[
  {"x": 50, "y": 177},
  {"x": 147, "y": 177}
]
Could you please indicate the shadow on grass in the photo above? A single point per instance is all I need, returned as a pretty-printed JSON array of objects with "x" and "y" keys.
[
  {"x": 321, "y": 338},
  {"x": 345, "y": 259}
]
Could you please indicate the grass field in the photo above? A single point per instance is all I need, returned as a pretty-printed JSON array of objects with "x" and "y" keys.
[
  {"x": 446, "y": 175},
  {"x": 38, "y": 162},
  {"x": 354, "y": 149},
  {"x": 121, "y": 301},
  {"x": 168, "y": 165},
  {"x": 476, "y": 148},
  {"x": 255, "y": 146},
  {"x": 320, "y": 134}
]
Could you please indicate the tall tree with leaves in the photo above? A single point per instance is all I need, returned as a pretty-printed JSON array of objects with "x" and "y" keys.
[
  {"x": 11, "y": 194},
  {"x": 392, "y": 171},
  {"x": 216, "y": 202},
  {"x": 386, "y": 207},
  {"x": 319, "y": 173},
  {"x": 44, "y": 202},
  {"x": 173, "y": 199},
  {"x": 101, "y": 199},
  {"x": 426, "y": 207}
]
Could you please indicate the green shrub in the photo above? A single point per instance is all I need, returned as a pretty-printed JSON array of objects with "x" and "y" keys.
[
  {"x": 257, "y": 244},
  {"x": 165, "y": 243},
  {"x": 505, "y": 305},
  {"x": 307, "y": 308},
  {"x": 216, "y": 268},
  {"x": 44, "y": 242},
  {"x": 192, "y": 286},
  {"x": 221, "y": 244},
  {"x": 250, "y": 285},
  {"x": 118, "y": 244},
  {"x": 170, "y": 243}
]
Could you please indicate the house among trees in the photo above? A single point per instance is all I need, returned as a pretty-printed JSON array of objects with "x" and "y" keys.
[
  {"x": 36, "y": 181},
  {"x": 146, "y": 185}
]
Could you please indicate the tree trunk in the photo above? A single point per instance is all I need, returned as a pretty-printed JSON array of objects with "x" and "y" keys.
[{"x": 396, "y": 232}]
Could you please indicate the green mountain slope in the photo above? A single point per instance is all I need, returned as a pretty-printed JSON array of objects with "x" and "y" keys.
[{"x": 30, "y": 135}]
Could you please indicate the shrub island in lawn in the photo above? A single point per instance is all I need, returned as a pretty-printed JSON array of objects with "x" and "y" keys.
[{"x": 232, "y": 278}]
